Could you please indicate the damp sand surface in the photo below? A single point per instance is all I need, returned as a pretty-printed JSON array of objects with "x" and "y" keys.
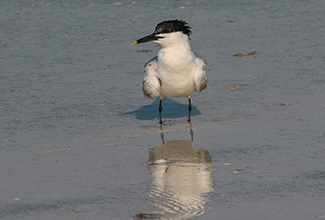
[{"x": 80, "y": 141}]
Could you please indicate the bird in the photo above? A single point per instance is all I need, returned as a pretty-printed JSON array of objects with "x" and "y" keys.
[{"x": 176, "y": 71}]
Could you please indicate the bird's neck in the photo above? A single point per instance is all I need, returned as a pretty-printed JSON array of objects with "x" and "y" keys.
[
  {"x": 176, "y": 57},
  {"x": 175, "y": 40}
]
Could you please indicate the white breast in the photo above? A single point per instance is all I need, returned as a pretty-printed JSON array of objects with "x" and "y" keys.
[{"x": 176, "y": 67}]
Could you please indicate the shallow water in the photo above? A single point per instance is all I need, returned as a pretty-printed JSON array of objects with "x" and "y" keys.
[{"x": 77, "y": 133}]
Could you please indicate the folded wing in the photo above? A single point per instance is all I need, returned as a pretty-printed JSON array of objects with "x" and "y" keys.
[
  {"x": 151, "y": 82},
  {"x": 200, "y": 77}
]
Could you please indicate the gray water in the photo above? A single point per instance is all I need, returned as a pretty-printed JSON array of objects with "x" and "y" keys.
[{"x": 77, "y": 133}]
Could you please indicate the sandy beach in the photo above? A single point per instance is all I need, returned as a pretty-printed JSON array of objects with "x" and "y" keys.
[{"x": 80, "y": 141}]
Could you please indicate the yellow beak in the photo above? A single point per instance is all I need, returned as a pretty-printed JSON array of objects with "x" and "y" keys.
[{"x": 135, "y": 42}]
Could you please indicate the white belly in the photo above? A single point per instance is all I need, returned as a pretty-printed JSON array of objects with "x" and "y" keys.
[
  {"x": 176, "y": 67},
  {"x": 176, "y": 85}
]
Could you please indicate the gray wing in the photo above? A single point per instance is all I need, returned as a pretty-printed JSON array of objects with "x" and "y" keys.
[
  {"x": 151, "y": 82},
  {"x": 200, "y": 76}
]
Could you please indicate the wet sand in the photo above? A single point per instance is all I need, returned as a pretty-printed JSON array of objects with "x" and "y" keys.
[{"x": 80, "y": 141}]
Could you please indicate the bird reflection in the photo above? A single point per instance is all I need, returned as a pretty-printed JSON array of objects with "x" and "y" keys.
[{"x": 182, "y": 177}]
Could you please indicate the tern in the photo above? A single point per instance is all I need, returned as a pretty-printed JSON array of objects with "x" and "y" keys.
[{"x": 176, "y": 71}]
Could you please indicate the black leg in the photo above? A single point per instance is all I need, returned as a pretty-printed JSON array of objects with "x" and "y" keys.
[
  {"x": 189, "y": 109},
  {"x": 160, "y": 110},
  {"x": 162, "y": 136}
]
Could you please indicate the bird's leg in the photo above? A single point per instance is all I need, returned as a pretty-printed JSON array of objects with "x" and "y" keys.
[
  {"x": 162, "y": 136},
  {"x": 189, "y": 109},
  {"x": 160, "y": 110},
  {"x": 191, "y": 133}
]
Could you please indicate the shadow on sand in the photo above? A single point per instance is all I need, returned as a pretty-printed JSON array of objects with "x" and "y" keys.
[{"x": 171, "y": 109}]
